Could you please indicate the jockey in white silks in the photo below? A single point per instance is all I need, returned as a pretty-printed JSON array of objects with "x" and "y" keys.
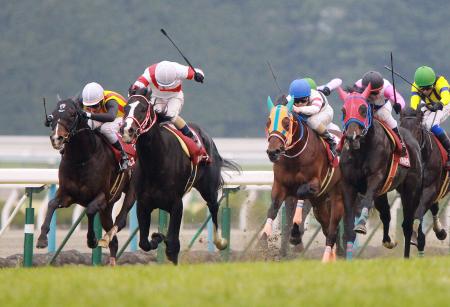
[{"x": 165, "y": 80}]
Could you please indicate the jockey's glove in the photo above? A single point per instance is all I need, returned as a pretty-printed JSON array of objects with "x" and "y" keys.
[
  {"x": 85, "y": 114},
  {"x": 397, "y": 107},
  {"x": 326, "y": 91},
  {"x": 198, "y": 77},
  {"x": 435, "y": 106}
]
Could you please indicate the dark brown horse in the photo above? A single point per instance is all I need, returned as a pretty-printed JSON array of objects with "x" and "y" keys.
[
  {"x": 89, "y": 175},
  {"x": 302, "y": 171},
  {"x": 164, "y": 171},
  {"x": 434, "y": 185},
  {"x": 365, "y": 163}
]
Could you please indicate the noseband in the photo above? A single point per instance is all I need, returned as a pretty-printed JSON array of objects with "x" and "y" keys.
[
  {"x": 72, "y": 130},
  {"x": 148, "y": 121}
]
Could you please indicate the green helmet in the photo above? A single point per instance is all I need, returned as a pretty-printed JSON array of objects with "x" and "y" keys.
[
  {"x": 311, "y": 83},
  {"x": 424, "y": 76}
]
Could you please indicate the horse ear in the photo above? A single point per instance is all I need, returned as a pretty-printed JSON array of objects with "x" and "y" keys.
[
  {"x": 269, "y": 103},
  {"x": 366, "y": 92},
  {"x": 290, "y": 104},
  {"x": 342, "y": 94}
]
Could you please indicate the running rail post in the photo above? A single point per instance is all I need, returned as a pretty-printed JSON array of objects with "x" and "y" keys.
[
  {"x": 226, "y": 215},
  {"x": 133, "y": 226},
  {"x": 162, "y": 228},
  {"x": 97, "y": 252},
  {"x": 52, "y": 232},
  {"x": 29, "y": 228}
]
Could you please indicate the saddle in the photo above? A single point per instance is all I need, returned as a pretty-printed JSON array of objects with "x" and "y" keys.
[
  {"x": 444, "y": 156},
  {"x": 197, "y": 155},
  {"x": 332, "y": 160},
  {"x": 128, "y": 148}
]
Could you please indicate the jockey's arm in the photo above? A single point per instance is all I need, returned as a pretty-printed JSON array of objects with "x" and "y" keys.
[
  {"x": 393, "y": 98},
  {"x": 415, "y": 98},
  {"x": 442, "y": 87},
  {"x": 313, "y": 108},
  {"x": 112, "y": 107}
]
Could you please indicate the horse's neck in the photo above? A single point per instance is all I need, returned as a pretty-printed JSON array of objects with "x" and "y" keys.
[
  {"x": 150, "y": 145},
  {"x": 81, "y": 147},
  {"x": 307, "y": 142}
]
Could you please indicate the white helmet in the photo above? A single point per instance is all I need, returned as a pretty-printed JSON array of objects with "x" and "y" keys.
[
  {"x": 92, "y": 94},
  {"x": 166, "y": 73}
]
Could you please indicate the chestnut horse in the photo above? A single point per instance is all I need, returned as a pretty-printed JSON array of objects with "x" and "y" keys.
[
  {"x": 365, "y": 164},
  {"x": 434, "y": 185},
  {"x": 163, "y": 172},
  {"x": 89, "y": 175},
  {"x": 302, "y": 171}
]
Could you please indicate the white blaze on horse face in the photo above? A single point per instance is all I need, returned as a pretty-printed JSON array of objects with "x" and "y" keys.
[
  {"x": 57, "y": 142},
  {"x": 129, "y": 121}
]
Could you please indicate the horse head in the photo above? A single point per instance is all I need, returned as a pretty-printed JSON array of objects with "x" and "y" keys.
[
  {"x": 139, "y": 116},
  {"x": 65, "y": 121},
  {"x": 356, "y": 115},
  {"x": 411, "y": 119},
  {"x": 279, "y": 127}
]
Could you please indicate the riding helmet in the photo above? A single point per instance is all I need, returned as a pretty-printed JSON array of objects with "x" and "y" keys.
[
  {"x": 374, "y": 78},
  {"x": 424, "y": 76},
  {"x": 92, "y": 94},
  {"x": 166, "y": 73},
  {"x": 300, "y": 88}
]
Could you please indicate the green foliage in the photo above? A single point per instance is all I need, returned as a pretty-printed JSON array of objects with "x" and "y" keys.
[
  {"x": 50, "y": 47},
  {"x": 420, "y": 282}
]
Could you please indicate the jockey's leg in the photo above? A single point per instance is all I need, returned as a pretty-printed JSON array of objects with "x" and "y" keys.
[
  {"x": 319, "y": 123},
  {"x": 385, "y": 114},
  {"x": 109, "y": 130},
  {"x": 181, "y": 125}
]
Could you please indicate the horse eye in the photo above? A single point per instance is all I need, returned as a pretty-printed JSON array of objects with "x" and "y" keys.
[
  {"x": 362, "y": 111},
  {"x": 285, "y": 123},
  {"x": 268, "y": 123}
]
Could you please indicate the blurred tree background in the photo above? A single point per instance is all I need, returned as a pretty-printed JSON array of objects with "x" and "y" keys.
[{"x": 51, "y": 47}]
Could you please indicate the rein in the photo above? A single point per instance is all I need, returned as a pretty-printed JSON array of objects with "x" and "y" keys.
[{"x": 72, "y": 131}]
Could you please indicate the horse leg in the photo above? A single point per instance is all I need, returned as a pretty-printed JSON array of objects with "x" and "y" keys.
[
  {"x": 290, "y": 204},
  {"x": 278, "y": 195},
  {"x": 336, "y": 213},
  {"x": 298, "y": 227},
  {"x": 92, "y": 208},
  {"x": 382, "y": 205},
  {"x": 57, "y": 202},
  {"x": 439, "y": 231},
  {"x": 113, "y": 244},
  {"x": 144, "y": 215},
  {"x": 173, "y": 240},
  {"x": 349, "y": 194},
  {"x": 420, "y": 241},
  {"x": 408, "y": 217},
  {"x": 426, "y": 199}
]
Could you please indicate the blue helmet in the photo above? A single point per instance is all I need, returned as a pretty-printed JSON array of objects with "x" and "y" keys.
[{"x": 300, "y": 88}]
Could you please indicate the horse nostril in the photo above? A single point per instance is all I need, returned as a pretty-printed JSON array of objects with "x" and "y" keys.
[
  {"x": 59, "y": 138},
  {"x": 131, "y": 130}
]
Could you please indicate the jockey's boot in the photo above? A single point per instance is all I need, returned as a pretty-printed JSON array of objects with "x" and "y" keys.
[
  {"x": 187, "y": 131},
  {"x": 330, "y": 140},
  {"x": 445, "y": 141},
  {"x": 124, "y": 162},
  {"x": 403, "y": 153}
]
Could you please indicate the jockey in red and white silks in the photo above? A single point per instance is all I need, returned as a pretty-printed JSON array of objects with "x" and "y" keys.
[{"x": 165, "y": 81}]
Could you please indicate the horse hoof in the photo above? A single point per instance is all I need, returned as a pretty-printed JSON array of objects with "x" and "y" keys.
[
  {"x": 112, "y": 261},
  {"x": 42, "y": 243},
  {"x": 172, "y": 258},
  {"x": 390, "y": 244},
  {"x": 360, "y": 228},
  {"x": 92, "y": 243},
  {"x": 145, "y": 246},
  {"x": 295, "y": 240},
  {"x": 158, "y": 237},
  {"x": 221, "y": 244},
  {"x": 102, "y": 243},
  {"x": 263, "y": 241},
  {"x": 441, "y": 234}
]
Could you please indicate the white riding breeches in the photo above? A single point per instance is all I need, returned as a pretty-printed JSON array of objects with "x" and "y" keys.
[
  {"x": 170, "y": 107},
  {"x": 385, "y": 114},
  {"x": 434, "y": 118},
  {"x": 109, "y": 129},
  {"x": 324, "y": 117}
]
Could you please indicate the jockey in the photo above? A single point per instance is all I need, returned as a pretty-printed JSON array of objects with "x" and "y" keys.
[
  {"x": 165, "y": 81},
  {"x": 104, "y": 109},
  {"x": 314, "y": 106},
  {"x": 381, "y": 93},
  {"x": 434, "y": 92}
]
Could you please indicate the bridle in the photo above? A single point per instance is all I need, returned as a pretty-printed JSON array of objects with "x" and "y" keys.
[
  {"x": 73, "y": 129},
  {"x": 294, "y": 125},
  {"x": 148, "y": 121}
]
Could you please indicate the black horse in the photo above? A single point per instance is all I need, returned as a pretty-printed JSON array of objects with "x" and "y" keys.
[
  {"x": 88, "y": 174},
  {"x": 365, "y": 162},
  {"x": 163, "y": 171},
  {"x": 434, "y": 175}
]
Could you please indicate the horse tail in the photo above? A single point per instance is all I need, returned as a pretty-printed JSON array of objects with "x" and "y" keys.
[{"x": 222, "y": 163}]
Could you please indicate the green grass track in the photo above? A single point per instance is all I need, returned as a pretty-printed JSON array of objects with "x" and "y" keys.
[{"x": 381, "y": 282}]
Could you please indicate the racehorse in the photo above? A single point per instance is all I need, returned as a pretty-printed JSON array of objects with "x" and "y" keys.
[
  {"x": 302, "y": 170},
  {"x": 89, "y": 175},
  {"x": 164, "y": 173},
  {"x": 435, "y": 183},
  {"x": 367, "y": 176}
]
